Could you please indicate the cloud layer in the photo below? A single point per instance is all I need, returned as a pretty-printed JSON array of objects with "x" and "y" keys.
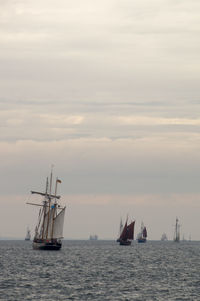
[{"x": 108, "y": 92}]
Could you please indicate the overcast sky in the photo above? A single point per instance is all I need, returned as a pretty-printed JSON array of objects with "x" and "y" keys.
[{"x": 107, "y": 91}]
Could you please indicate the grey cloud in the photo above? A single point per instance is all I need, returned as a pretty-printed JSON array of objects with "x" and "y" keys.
[{"x": 100, "y": 60}]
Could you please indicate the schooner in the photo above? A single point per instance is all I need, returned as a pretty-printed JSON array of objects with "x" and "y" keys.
[{"x": 49, "y": 229}]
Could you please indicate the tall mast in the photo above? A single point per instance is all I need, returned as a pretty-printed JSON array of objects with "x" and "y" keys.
[
  {"x": 49, "y": 202},
  {"x": 51, "y": 180},
  {"x": 47, "y": 184},
  {"x": 55, "y": 206},
  {"x": 44, "y": 208},
  {"x": 120, "y": 227}
]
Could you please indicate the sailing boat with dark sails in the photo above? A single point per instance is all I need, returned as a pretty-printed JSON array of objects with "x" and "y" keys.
[
  {"x": 49, "y": 229},
  {"x": 127, "y": 234},
  {"x": 142, "y": 236}
]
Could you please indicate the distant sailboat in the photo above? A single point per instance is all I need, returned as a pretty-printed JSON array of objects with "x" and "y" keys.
[
  {"x": 177, "y": 231},
  {"x": 28, "y": 234},
  {"x": 164, "y": 237},
  {"x": 49, "y": 229},
  {"x": 142, "y": 236},
  {"x": 127, "y": 234},
  {"x": 93, "y": 237}
]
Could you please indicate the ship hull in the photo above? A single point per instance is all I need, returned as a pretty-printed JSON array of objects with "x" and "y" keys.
[
  {"x": 125, "y": 242},
  {"x": 44, "y": 245},
  {"x": 142, "y": 240}
]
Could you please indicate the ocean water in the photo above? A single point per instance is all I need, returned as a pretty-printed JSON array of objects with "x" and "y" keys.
[{"x": 100, "y": 270}]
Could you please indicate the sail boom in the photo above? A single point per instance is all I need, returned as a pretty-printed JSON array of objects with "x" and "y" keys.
[
  {"x": 34, "y": 204},
  {"x": 59, "y": 207},
  {"x": 46, "y": 194}
]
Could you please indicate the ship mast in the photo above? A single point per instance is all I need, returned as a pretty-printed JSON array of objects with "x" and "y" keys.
[
  {"x": 44, "y": 207},
  {"x": 177, "y": 231},
  {"x": 55, "y": 206},
  {"x": 49, "y": 201}
]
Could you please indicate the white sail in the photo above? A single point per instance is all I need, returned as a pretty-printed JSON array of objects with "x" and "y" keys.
[
  {"x": 58, "y": 224},
  {"x": 48, "y": 222}
]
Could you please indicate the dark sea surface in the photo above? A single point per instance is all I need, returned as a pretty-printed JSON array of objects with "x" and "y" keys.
[{"x": 100, "y": 270}]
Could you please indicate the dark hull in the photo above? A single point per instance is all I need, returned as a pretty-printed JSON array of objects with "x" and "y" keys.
[
  {"x": 125, "y": 242},
  {"x": 142, "y": 240},
  {"x": 43, "y": 245}
]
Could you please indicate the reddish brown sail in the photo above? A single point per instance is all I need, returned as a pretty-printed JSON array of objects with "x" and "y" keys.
[
  {"x": 123, "y": 235},
  {"x": 127, "y": 234},
  {"x": 130, "y": 230},
  {"x": 145, "y": 232}
]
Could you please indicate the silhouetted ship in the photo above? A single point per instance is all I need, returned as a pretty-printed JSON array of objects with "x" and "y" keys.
[
  {"x": 177, "y": 231},
  {"x": 49, "y": 229},
  {"x": 93, "y": 237},
  {"x": 142, "y": 236},
  {"x": 28, "y": 234},
  {"x": 127, "y": 234}
]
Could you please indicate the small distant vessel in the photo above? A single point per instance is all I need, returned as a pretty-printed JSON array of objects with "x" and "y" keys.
[
  {"x": 93, "y": 237},
  {"x": 127, "y": 233},
  {"x": 183, "y": 238},
  {"x": 28, "y": 234},
  {"x": 49, "y": 229},
  {"x": 164, "y": 237},
  {"x": 177, "y": 232},
  {"x": 142, "y": 236}
]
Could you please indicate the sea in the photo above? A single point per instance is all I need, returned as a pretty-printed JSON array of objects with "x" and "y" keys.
[{"x": 100, "y": 270}]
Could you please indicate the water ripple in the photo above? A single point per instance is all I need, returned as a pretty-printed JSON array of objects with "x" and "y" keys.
[{"x": 101, "y": 270}]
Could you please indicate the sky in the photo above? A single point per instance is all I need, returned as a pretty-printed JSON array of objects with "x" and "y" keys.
[{"x": 108, "y": 92}]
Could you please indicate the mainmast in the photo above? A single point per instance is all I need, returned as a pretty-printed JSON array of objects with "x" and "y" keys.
[
  {"x": 55, "y": 207},
  {"x": 49, "y": 201},
  {"x": 44, "y": 208}
]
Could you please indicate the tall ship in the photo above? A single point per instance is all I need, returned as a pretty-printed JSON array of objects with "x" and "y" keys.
[
  {"x": 49, "y": 228},
  {"x": 126, "y": 234},
  {"x": 177, "y": 231},
  {"x": 142, "y": 236},
  {"x": 28, "y": 234}
]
